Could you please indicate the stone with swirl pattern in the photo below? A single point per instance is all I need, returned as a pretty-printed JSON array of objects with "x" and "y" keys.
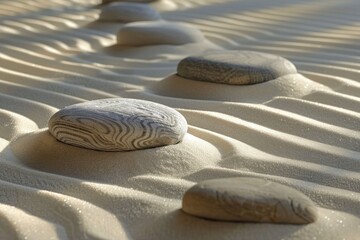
[
  {"x": 118, "y": 124},
  {"x": 247, "y": 199},
  {"x": 235, "y": 67}
]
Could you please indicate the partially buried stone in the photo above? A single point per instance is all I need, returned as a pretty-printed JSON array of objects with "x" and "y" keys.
[
  {"x": 235, "y": 67},
  {"x": 128, "y": 12},
  {"x": 118, "y": 125},
  {"x": 158, "y": 33},
  {"x": 136, "y": 1},
  {"x": 248, "y": 199}
]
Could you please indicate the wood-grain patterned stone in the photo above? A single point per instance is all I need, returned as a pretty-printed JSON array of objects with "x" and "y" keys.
[
  {"x": 235, "y": 67},
  {"x": 118, "y": 124}
]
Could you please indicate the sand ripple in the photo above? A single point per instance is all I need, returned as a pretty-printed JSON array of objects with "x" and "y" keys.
[{"x": 302, "y": 130}]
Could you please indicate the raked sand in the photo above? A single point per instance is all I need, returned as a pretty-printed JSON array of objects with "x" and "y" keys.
[{"x": 302, "y": 131}]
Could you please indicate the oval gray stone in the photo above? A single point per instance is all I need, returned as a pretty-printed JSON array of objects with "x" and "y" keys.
[
  {"x": 235, "y": 67},
  {"x": 133, "y": 1},
  {"x": 248, "y": 199},
  {"x": 118, "y": 124},
  {"x": 128, "y": 12},
  {"x": 158, "y": 32}
]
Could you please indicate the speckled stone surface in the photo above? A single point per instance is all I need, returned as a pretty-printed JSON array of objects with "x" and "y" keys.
[
  {"x": 248, "y": 199},
  {"x": 235, "y": 67},
  {"x": 118, "y": 124}
]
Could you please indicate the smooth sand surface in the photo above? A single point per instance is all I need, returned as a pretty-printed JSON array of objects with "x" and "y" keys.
[{"x": 301, "y": 130}]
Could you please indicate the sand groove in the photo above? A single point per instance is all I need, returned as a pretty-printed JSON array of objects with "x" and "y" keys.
[{"x": 302, "y": 131}]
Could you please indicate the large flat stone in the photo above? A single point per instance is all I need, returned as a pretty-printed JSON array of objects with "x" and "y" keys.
[
  {"x": 235, "y": 67},
  {"x": 118, "y": 125},
  {"x": 247, "y": 199}
]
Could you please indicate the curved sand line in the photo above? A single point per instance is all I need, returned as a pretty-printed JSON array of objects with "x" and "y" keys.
[
  {"x": 195, "y": 154},
  {"x": 302, "y": 131},
  {"x": 292, "y": 85}
]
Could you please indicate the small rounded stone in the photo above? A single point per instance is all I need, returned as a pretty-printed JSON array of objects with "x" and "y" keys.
[
  {"x": 247, "y": 199},
  {"x": 128, "y": 12},
  {"x": 118, "y": 124},
  {"x": 158, "y": 32},
  {"x": 133, "y": 1},
  {"x": 235, "y": 67}
]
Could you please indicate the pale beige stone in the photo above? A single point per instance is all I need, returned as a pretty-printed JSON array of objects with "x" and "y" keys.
[
  {"x": 248, "y": 199},
  {"x": 157, "y": 33},
  {"x": 135, "y": 1},
  {"x": 128, "y": 12}
]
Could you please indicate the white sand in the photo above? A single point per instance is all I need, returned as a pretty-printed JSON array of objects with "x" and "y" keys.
[{"x": 302, "y": 131}]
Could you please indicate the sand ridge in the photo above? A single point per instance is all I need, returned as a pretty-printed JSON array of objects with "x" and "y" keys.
[{"x": 302, "y": 130}]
